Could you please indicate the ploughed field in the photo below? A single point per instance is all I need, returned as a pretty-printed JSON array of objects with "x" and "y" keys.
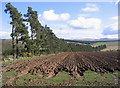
[{"x": 75, "y": 64}]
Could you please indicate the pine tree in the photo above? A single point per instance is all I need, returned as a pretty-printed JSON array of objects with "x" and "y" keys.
[
  {"x": 31, "y": 18},
  {"x": 37, "y": 31},
  {"x": 18, "y": 28},
  {"x": 12, "y": 10}
]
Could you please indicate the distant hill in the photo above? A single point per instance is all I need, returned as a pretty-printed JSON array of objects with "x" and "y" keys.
[
  {"x": 106, "y": 39},
  {"x": 91, "y": 41},
  {"x": 101, "y": 39}
]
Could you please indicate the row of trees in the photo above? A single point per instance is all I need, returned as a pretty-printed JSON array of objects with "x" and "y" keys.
[{"x": 41, "y": 39}]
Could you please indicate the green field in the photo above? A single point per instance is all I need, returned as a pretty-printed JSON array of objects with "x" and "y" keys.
[
  {"x": 110, "y": 45},
  {"x": 61, "y": 79}
]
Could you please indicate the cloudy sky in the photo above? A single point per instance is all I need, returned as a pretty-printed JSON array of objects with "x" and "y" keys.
[{"x": 71, "y": 20}]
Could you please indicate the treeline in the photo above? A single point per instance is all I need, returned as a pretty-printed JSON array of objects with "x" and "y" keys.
[
  {"x": 41, "y": 39},
  {"x": 100, "y": 47}
]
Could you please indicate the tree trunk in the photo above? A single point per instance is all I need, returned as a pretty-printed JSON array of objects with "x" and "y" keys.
[
  {"x": 32, "y": 35},
  {"x": 17, "y": 47},
  {"x": 13, "y": 45}
]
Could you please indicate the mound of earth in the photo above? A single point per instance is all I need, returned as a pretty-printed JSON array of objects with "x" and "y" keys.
[{"x": 72, "y": 62}]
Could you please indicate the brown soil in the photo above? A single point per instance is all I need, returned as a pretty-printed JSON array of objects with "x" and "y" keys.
[{"x": 72, "y": 62}]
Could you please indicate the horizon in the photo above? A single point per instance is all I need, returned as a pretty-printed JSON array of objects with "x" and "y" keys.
[{"x": 74, "y": 20}]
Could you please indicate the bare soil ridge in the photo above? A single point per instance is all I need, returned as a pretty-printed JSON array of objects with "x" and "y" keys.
[{"x": 72, "y": 62}]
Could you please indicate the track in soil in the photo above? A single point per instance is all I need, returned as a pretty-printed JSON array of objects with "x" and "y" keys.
[{"x": 72, "y": 62}]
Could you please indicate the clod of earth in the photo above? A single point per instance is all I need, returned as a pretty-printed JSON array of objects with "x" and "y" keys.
[{"x": 72, "y": 62}]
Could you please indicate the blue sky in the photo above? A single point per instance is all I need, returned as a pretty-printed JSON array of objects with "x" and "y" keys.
[{"x": 71, "y": 20}]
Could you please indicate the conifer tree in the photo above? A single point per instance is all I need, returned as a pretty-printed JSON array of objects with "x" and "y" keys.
[
  {"x": 12, "y": 12},
  {"x": 19, "y": 29}
]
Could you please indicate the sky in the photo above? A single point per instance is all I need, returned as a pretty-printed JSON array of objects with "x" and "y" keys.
[{"x": 70, "y": 20}]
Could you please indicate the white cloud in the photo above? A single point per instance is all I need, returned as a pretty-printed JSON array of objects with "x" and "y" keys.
[
  {"x": 113, "y": 26},
  {"x": 90, "y": 8},
  {"x": 92, "y": 31},
  {"x": 111, "y": 29},
  {"x": 81, "y": 34},
  {"x": 114, "y": 18},
  {"x": 64, "y": 16},
  {"x": 77, "y": 34},
  {"x": 67, "y": 32},
  {"x": 52, "y": 16},
  {"x": 4, "y": 35},
  {"x": 85, "y": 23}
]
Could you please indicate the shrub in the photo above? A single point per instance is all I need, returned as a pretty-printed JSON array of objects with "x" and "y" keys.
[
  {"x": 30, "y": 54},
  {"x": 44, "y": 53},
  {"x": 26, "y": 54},
  {"x": 6, "y": 52}
]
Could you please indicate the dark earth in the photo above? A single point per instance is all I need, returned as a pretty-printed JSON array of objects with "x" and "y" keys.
[{"x": 72, "y": 62}]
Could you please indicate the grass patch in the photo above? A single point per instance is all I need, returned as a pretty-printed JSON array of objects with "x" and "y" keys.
[
  {"x": 59, "y": 78},
  {"x": 91, "y": 76},
  {"x": 24, "y": 80},
  {"x": 8, "y": 75},
  {"x": 96, "y": 79},
  {"x": 109, "y": 78},
  {"x": 117, "y": 73}
]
